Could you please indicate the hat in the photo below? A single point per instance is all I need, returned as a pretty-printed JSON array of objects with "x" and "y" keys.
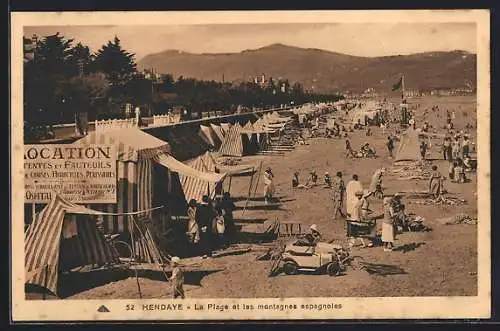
[
  {"x": 359, "y": 193},
  {"x": 326, "y": 172},
  {"x": 398, "y": 195},
  {"x": 314, "y": 227},
  {"x": 313, "y": 171},
  {"x": 176, "y": 260}
]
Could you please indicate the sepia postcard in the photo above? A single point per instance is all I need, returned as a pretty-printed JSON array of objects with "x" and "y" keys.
[{"x": 250, "y": 165}]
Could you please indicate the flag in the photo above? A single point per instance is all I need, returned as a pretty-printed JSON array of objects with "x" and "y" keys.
[{"x": 398, "y": 85}]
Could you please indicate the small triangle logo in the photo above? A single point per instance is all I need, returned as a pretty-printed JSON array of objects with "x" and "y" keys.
[{"x": 103, "y": 309}]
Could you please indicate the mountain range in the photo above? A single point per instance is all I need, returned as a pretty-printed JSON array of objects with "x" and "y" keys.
[{"x": 320, "y": 70}]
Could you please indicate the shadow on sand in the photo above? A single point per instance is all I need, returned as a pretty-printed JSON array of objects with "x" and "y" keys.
[
  {"x": 408, "y": 247},
  {"x": 77, "y": 282}
]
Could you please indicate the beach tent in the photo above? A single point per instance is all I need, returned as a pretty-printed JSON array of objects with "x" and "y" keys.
[
  {"x": 65, "y": 236},
  {"x": 195, "y": 187},
  {"x": 239, "y": 142},
  {"x": 148, "y": 175},
  {"x": 136, "y": 174},
  {"x": 225, "y": 127},
  {"x": 46, "y": 234},
  {"x": 184, "y": 143},
  {"x": 218, "y": 131},
  {"x": 408, "y": 148},
  {"x": 208, "y": 134}
]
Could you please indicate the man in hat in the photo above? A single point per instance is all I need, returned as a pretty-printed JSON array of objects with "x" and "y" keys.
[{"x": 177, "y": 279}]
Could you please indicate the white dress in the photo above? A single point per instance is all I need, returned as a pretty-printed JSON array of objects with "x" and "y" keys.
[{"x": 352, "y": 187}]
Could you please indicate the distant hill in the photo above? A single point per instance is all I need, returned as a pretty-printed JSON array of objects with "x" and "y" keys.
[{"x": 326, "y": 71}]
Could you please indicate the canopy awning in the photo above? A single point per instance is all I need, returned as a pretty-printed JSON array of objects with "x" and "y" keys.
[{"x": 174, "y": 165}]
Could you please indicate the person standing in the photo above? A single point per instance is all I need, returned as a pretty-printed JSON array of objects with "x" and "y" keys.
[
  {"x": 328, "y": 179},
  {"x": 423, "y": 149},
  {"x": 456, "y": 148},
  {"x": 193, "y": 228},
  {"x": 388, "y": 233},
  {"x": 352, "y": 187},
  {"x": 205, "y": 217},
  {"x": 177, "y": 279},
  {"x": 447, "y": 149},
  {"x": 338, "y": 195},
  {"x": 435, "y": 183},
  {"x": 465, "y": 147},
  {"x": 228, "y": 208},
  {"x": 268, "y": 185},
  {"x": 390, "y": 146}
]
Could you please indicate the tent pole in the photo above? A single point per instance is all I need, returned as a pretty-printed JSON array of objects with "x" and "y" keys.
[
  {"x": 133, "y": 253},
  {"x": 256, "y": 186}
]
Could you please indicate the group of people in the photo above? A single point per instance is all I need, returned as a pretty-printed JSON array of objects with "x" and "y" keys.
[
  {"x": 457, "y": 152},
  {"x": 358, "y": 206},
  {"x": 366, "y": 151},
  {"x": 211, "y": 223}
]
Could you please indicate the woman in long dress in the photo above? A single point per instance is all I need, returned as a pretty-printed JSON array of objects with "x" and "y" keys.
[
  {"x": 388, "y": 233},
  {"x": 435, "y": 183},
  {"x": 352, "y": 187}
]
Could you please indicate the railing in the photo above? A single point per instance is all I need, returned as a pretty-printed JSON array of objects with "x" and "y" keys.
[
  {"x": 115, "y": 124},
  {"x": 167, "y": 119}
]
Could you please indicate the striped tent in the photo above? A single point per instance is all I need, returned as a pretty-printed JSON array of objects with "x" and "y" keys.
[
  {"x": 195, "y": 188},
  {"x": 239, "y": 142},
  {"x": 225, "y": 127},
  {"x": 136, "y": 174},
  {"x": 208, "y": 134},
  {"x": 218, "y": 131},
  {"x": 248, "y": 126},
  {"x": 198, "y": 178},
  {"x": 53, "y": 237}
]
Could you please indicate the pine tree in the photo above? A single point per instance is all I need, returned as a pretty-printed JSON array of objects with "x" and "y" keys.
[{"x": 116, "y": 63}]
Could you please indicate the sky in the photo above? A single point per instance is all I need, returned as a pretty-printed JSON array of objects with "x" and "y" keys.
[{"x": 360, "y": 39}]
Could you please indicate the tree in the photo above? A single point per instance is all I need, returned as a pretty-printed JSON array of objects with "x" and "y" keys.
[
  {"x": 80, "y": 59},
  {"x": 116, "y": 63},
  {"x": 52, "y": 55}
]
